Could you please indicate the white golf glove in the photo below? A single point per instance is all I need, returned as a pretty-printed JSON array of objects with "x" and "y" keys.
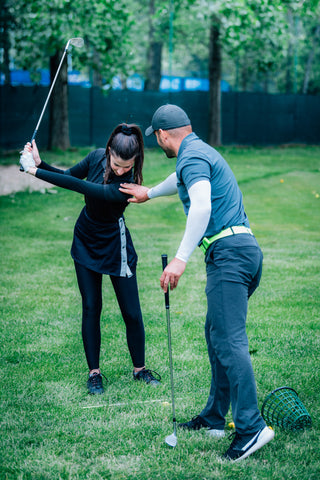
[{"x": 26, "y": 160}]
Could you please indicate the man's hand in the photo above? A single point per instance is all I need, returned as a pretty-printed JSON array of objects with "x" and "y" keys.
[
  {"x": 138, "y": 191},
  {"x": 171, "y": 274}
]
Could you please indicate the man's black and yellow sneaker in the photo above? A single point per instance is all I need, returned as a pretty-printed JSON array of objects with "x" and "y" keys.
[
  {"x": 244, "y": 445},
  {"x": 197, "y": 422}
]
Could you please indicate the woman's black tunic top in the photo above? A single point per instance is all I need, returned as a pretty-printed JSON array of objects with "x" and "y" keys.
[{"x": 101, "y": 241}]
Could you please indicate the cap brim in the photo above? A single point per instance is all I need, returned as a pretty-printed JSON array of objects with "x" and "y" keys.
[{"x": 149, "y": 131}]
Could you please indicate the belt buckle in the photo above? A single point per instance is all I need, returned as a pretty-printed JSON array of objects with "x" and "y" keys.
[
  {"x": 203, "y": 248},
  {"x": 205, "y": 244}
]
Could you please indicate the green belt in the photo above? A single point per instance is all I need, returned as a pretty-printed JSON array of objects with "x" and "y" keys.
[{"x": 206, "y": 242}]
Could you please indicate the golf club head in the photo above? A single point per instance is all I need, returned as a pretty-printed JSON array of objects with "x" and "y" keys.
[
  {"x": 171, "y": 440},
  {"x": 77, "y": 42}
]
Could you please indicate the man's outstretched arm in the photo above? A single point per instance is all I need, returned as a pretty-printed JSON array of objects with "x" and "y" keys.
[
  {"x": 197, "y": 222},
  {"x": 143, "y": 194}
]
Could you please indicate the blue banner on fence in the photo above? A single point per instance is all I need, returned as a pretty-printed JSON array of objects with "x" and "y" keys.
[{"x": 134, "y": 82}]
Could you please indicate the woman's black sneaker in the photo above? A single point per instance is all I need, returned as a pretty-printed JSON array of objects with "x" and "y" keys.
[
  {"x": 94, "y": 384},
  {"x": 147, "y": 377}
]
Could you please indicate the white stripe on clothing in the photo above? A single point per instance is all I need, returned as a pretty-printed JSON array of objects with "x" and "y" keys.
[{"x": 125, "y": 269}]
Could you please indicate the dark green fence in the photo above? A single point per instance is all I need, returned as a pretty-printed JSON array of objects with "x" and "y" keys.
[{"x": 247, "y": 118}]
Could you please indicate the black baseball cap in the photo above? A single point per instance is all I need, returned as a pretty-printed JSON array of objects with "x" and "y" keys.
[{"x": 168, "y": 117}]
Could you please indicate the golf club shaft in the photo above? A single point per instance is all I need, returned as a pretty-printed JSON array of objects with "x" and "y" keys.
[
  {"x": 167, "y": 304},
  {"x": 49, "y": 94},
  {"x": 170, "y": 362}
]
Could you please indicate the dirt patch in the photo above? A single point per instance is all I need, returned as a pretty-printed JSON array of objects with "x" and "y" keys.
[{"x": 12, "y": 181}]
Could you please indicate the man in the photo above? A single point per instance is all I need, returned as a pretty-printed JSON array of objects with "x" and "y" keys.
[{"x": 217, "y": 222}]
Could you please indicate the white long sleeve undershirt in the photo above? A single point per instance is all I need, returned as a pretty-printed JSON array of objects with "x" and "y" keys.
[
  {"x": 198, "y": 215},
  {"x": 197, "y": 220},
  {"x": 165, "y": 188}
]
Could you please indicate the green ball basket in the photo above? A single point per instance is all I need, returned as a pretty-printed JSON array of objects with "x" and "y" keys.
[{"x": 282, "y": 407}]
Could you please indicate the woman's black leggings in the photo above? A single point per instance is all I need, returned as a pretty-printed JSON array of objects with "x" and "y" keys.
[{"x": 126, "y": 290}]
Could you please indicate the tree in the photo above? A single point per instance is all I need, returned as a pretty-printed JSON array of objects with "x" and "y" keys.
[
  {"x": 215, "y": 68},
  {"x": 225, "y": 19},
  {"x": 150, "y": 34},
  {"x": 7, "y": 25},
  {"x": 310, "y": 17},
  {"x": 154, "y": 52},
  {"x": 246, "y": 30},
  {"x": 314, "y": 43},
  {"x": 44, "y": 29},
  {"x": 58, "y": 118},
  {"x": 156, "y": 23}
]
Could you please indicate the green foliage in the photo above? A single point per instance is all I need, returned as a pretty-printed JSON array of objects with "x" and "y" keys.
[
  {"x": 267, "y": 45},
  {"x": 51, "y": 428},
  {"x": 144, "y": 20},
  {"x": 45, "y": 27}
]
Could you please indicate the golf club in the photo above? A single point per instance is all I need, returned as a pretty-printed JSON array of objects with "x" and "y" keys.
[
  {"x": 170, "y": 440},
  {"x": 76, "y": 42}
]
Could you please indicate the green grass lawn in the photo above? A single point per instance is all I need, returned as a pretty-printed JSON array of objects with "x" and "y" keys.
[{"x": 50, "y": 427}]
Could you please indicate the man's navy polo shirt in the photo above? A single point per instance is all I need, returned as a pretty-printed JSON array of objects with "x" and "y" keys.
[{"x": 198, "y": 161}]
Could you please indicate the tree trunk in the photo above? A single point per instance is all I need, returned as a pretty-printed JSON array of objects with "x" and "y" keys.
[
  {"x": 310, "y": 61},
  {"x": 154, "y": 56},
  {"x": 215, "y": 61},
  {"x": 96, "y": 71},
  {"x": 289, "y": 65},
  {"x": 6, "y": 59},
  {"x": 59, "y": 119},
  {"x": 244, "y": 77},
  {"x": 153, "y": 77},
  {"x": 6, "y": 22},
  {"x": 266, "y": 82},
  {"x": 289, "y": 81}
]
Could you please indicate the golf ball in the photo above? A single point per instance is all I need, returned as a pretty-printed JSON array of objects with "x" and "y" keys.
[{"x": 165, "y": 404}]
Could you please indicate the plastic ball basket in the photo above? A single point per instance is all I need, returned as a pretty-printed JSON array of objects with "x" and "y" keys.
[{"x": 282, "y": 407}]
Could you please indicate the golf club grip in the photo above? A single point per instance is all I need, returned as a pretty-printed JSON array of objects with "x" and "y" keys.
[
  {"x": 34, "y": 135},
  {"x": 164, "y": 258}
]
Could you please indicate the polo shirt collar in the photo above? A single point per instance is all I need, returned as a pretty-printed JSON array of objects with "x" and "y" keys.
[{"x": 185, "y": 142}]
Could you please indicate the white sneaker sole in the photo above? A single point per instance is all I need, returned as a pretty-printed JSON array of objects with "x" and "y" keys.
[{"x": 265, "y": 436}]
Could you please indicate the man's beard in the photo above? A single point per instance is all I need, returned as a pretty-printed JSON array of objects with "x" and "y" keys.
[{"x": 168, "y": 152}]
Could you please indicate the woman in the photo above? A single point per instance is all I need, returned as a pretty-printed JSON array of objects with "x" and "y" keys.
[{"x": 102, "y": 244}]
